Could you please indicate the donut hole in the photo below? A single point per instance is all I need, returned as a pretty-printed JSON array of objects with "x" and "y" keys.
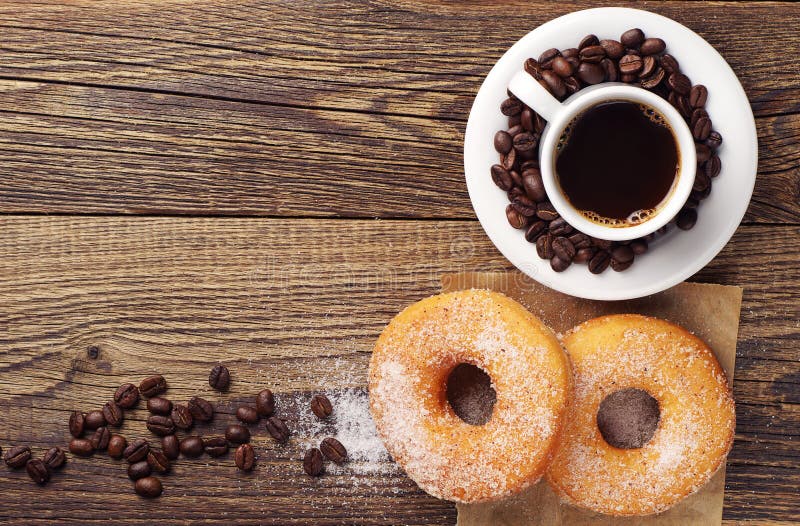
[
  {"x": 628, "y": 418},
  {"x": 470, "y": 394}
]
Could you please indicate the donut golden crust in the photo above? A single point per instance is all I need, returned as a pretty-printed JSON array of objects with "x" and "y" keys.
[
  {"x": 444, "y": 455},
  {"x": 694, "y": 433}
]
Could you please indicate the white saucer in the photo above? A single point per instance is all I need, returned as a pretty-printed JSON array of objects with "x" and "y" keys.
[{"x": 677, "y": 255}]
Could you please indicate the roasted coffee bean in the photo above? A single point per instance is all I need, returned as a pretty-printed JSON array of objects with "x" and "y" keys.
[
  {"x": 669, "y": 63},
  {"x": 139, "y": 470},
  {"x": 573, "y": 86},
  {"x": 148, "y": 487},
  {"x": 714, "y": 140},
  {"x": 703, "y": 152},
  {"x": 563, "y": 248},
  {"x": 160, "y": 425},
  {"x": 526, "y": 120},
  {"x": 113, "y": 414},
  {"x": 81, "y": 447},
  {"x": 116, "y": 446},
  {"x": 101, "y": 438},
  {"x": 535, "y": 230},
  {"x": 554, "y": 84},
  {"x": 681, "y": 104},
  {"x": 701, "y": 129},
  {"x": 638, "y": 246},
  {"x": 17, "y": 456},
  {"x": 54, "y": 458},
  {"x": 652, "y": 46},
  {"x": 181, "y": 417},
  {"x": 515, "y": 219},
  {"x": 220, "y": 377},
  {"x": 679, "y": 83},
  {"x": 583, "y": 255},
  {"x": 525, "y": 142},
  {"x": 247, "y": 414},
  {"x": 515, "y": 130},
  {"x": 544, "y": 246},
  {"x": 171, "y": 446},
  {"x": 510, "y": 106},
  {"x": 591, "y": 73},
  {"x": 701, "y": 181},
  {"x": 501, "y": 177},
  {"x": 649, "y": 65},
  {"x": 562, "y": 67},
  {"x": 546, "y": 58},
  {"x": 686, "y": 219},
  {"x": 277, "y": 429},
  {"x": 533, "y": 185},
  {"x": 192, "y": 446},
  {"x": 588, "y": 41},
  {"x": 153, "y": 386},
  {"x": 215, "y": 446},
  {"x": 76, "y": 424},
  {"x": 533, "y": 68},
  {"x": 333, "y": 450},
  {"x": 628, "y": 77},
  {"x": 546, "y": 212},
  {"x": 312, "y": 462},
  {"x": 618, "y": 266},
  {"x": 622, "y": 253},
  {"x": 632, "y": 38},
  {"x": 698, "y": 96},
  {"x": 93, "y": 420},
  {"x": 570, "y": 52},
  {"x": 201, "y": 409},
  {"x": 514, "y": 193},
  {"x": 559, "y": 265},
  {"x": 159, "y": 406},
  {"x": 613, "y": 48},
  {"x": 126, "y": 396},
  {"x": 38, "y": 471},
  {"x": 630, "y": 64},
  {"x": 265, "y": 402},
  {"x": 700, "y": 195},
  {"x": 603, "y": 244},
  {"x": 599, "y": 262},
  {"x": 691, "y": 202},
  {"x": 592, "y": 54},
  {"x": 158, "y": 461},
  {"x": 653, "y": 80},
  {"x": 580, "y": 240},
  {"x": 610, "y": 68},
  {"x": 713, "y": 166},
  {"x": 237, "y": 434},
  {"x": 137, "y": 450},
  {"x": 698, "y": 114},
  {"x": 560, "y": 227},
  {"x": 524, "y": 206},
  {"x": 502, "y": 142},
  {"x": 245, "y": 457},
  {"x": 514, "y": 120},
  {"x": 321, "y": 406}
]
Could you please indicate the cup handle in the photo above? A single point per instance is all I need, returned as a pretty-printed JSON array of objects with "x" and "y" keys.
[{"x": 534, "y": 95}]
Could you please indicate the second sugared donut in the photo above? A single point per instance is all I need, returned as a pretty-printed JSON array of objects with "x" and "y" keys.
[
  {"x": 652, "y": 420},
  {"x": 409, "y": 370}
]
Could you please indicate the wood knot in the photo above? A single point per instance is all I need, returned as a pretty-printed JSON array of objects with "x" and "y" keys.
[{"x": 93, "y": 352}]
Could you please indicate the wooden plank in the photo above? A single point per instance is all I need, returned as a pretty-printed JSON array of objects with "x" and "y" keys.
[
  {"x": 88, "y": 303},
  {"x": 74, "y": 149}
]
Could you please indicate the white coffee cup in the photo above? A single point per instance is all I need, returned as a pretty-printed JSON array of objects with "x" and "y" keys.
[{"x": 559, "y": 114}]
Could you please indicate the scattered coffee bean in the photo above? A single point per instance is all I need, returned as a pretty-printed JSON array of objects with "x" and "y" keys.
[
  {"x": 201, "y": 410},
  {"x": 507, "y": 161},
  {"x": 558, "y": 264},
  {"x": 652, "y": 46},
  {"x": 713, "y": 167},
  {"x": 54, "y": 458},
  {"x": 591, "y": 73},
  {"x": 192, "y": 446},
  {"x": 554, "y": 84},
  {"x": 277, "y": 429},
  {"x": 619, "y": 266},
  {"x": 701, "y": 129},
  {"x": 632, "y": 38},
  {"x": 610, "y": 69},
  {"x": 247, "y": 414},
  {"x": 546, "y": 58},
  {"x": 38, "y": 471},
  {"x": 527, "y": 119},
  {"x": 563, "y": 68},
  {"x": 81, "y": 447},
  {"x": 158, "y": 461},
  {"x": 160, "y": 425},
  {"x": 592, "y": 54},
  {"x": 116, "y": 446},
  {"x": 535, "y": 230},
  {"x": 686, "y": 218},
  {"x": 237, "y": 434},
  {"x": 515, "y": 219},
  {"x": 245, "y": 457},
  {"x": 630, "y": 64},
  {"x": 697, "y": 114},
  {"x": 76, "y": 424},
  {"x": 94, "y": 420},
  {"x": 17, "y": 456},
  {"x": 312, "y": 462},
  {"x": 679, "y": 83},
  {"x": 648, "y": 66},
  {"x": 181, "y": 417},
  {"x": 101, "y": 438},
  {"x": 148, "y": 487},
  {"x": 511, "y": 106},
  {"x": 703, "y": 152},
  {"x": 126, "y": 396},
  {"x": 546, "y": 212},
  {"x": 544, "y": 246},
  {"x": 533, "y": 68},
  {"x": 171, "y": 446},
  {"x": 501, "y": 177},
  {"x": 653, "y": 80},
  {"x": 639, "y": 246},
  {"x": 560, "y": 227},
  {"x": 534, "y": 187},
  {"x": 159, "y": 406},
  {"x": 113, "y": 414},
  {"x": 613, "y": 48},
  {"x": 622, "y": 253},
  {"x": 215, "y": 446},
  {"x": 701, "y": 182},
  {"x": 714, "y": 140},
  {"x": 526, "y": 207},
  {"x": 698, "y": 96},
  {"x": 139, "y": 470},
  {"x": 333, "y": 450},
  {"x": 525, "y": 142},
  {"x": 136, "y": 450},
  {"x": 563, "y": 248},
  {"x": 502, "y": 142},
  {"x": 669, "y": 63},
  {"x": 265, "y": 403},
  {"x": 321, "y": 406},
  {"x": 153, "y": 386},
  {"x": 584, "y": 255},
  {"x": 580, "y": 240},
  {"x": 599, "y": 262},
  {"x": 588, "y": 41}
]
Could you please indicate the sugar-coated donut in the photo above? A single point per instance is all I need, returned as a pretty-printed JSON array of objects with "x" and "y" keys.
[
  {"x": 446, "y": 456},
  {"x": 627, "y": 354}
]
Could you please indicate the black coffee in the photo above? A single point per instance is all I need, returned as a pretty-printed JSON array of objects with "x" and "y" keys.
[{"x": 616, "y": 162}]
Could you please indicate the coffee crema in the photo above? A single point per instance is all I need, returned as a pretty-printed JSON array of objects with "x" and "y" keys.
[{"x": 617, "y": 163}]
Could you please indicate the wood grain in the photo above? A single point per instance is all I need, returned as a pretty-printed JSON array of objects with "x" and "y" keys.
[
  {"x": 255, "y": 108},
  {"x": 296, "y": 305}
]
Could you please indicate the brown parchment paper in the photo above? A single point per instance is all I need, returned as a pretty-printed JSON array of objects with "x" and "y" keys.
[{"x": 710, "y": 311}]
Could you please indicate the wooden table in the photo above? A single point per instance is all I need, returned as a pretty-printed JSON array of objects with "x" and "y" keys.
[{"x": 266, "y": 184}]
